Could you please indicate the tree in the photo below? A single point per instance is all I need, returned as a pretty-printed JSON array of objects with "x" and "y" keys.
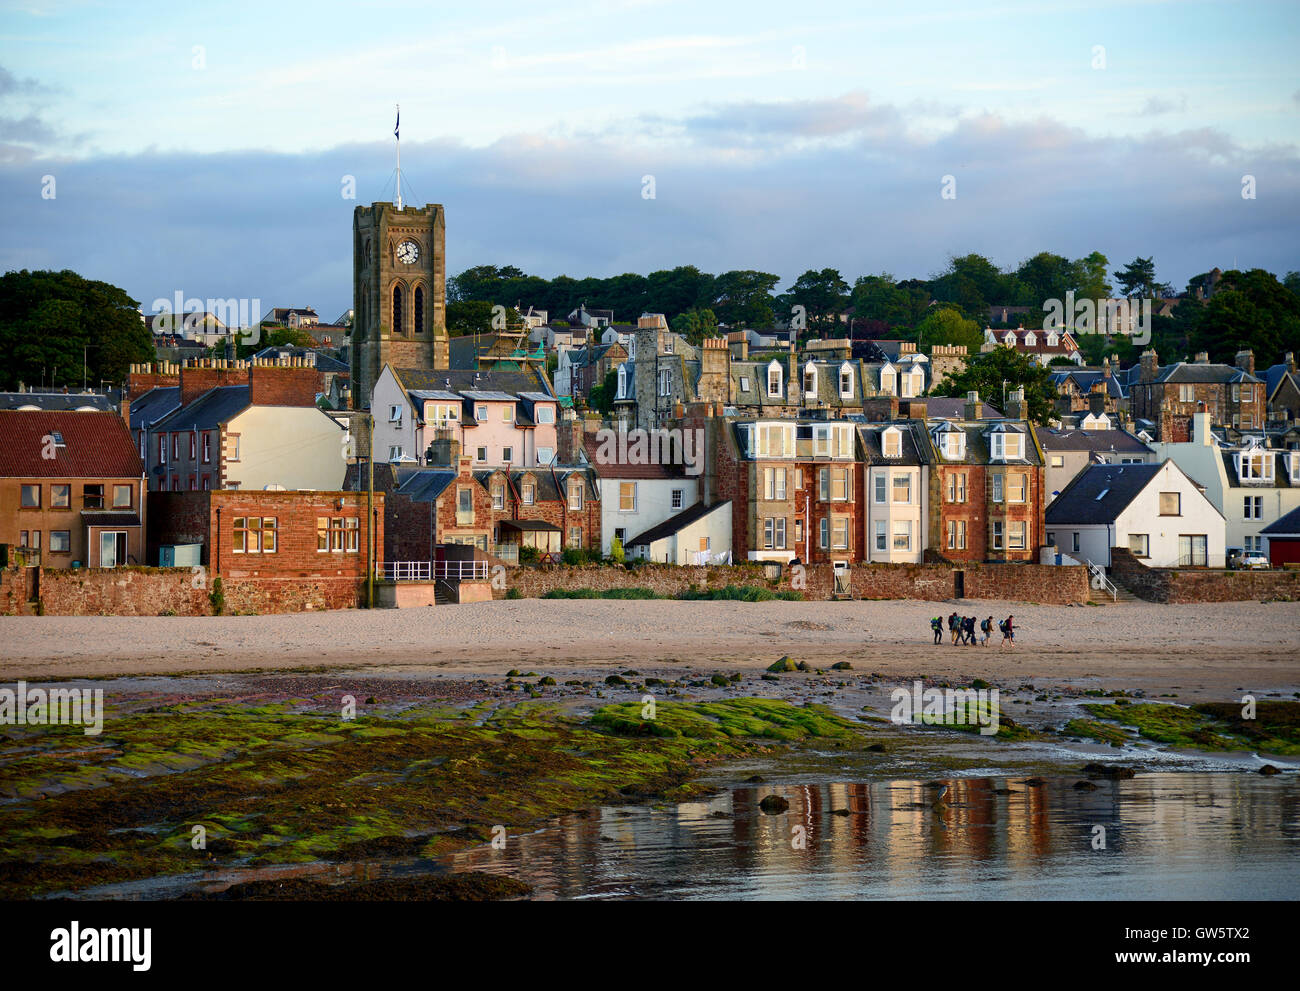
[
  {"x": 674, "y": 291},
  {"x": 695, "y": 325},
  {"x": 823, "y": 296},
  {"x": 602, "y": 396},
  {"x": 945, "y": 325},
  {"x": 58, "y": 328},
  {"x": 1004, "y": 368},
  {"x": 475, "y": 317},
  {"x": 1249, "y": 310},
  {"x": 1138, "y": 278},
  {"x": 743, "y": 298}
]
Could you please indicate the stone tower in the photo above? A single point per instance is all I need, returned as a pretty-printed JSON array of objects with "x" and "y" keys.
[{"x": 399, "y": 292}]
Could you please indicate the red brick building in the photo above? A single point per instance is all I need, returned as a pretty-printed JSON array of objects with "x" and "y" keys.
[{"x": 71, "y": 489}]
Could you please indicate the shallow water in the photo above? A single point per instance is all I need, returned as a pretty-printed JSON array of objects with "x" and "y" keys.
[{"x": 1166, "y": 835}]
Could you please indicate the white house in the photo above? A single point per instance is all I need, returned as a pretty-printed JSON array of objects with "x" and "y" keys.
[
  {"x": 636, "y": 497},
  {"x": 697, "y": 535},
  {"x": 897, "y": 497},
  {"x": 1155, "y": 510}
]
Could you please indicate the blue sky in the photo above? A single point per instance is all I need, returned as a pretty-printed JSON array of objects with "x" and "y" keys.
[{"x": 204, "y": 150}]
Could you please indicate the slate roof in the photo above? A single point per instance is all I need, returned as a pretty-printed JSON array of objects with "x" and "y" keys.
[
  {"x": 1273, "y": 376},
  {"x": 1101, "y": 441},
  {"x": 914, "y": 449},
  {"x": 1079, "y": 502},
  {"x": 1288, "y": 525},
  {"x": 208, "y": 411},
  {"x": 954, "y": 408},
  {"x": 323, "y": 362},
  {"x": 55, "y": 400},
  {"x": 625, "y": 469},
  {"x": 513, "y": 381},
  {"x": 149, "y": 407},
  {"x": 1195, "y": 372},
  {"x": 422, "y": 484},
  {"x": 978, "y": 445},
  {"x": 677, "y": 523},
  {"x": 95, "y": 445},
  {"x": 1086, "y": 378}
]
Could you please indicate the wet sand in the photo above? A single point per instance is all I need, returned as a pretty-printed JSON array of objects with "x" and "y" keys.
[{"x": 1206, "y": 651}]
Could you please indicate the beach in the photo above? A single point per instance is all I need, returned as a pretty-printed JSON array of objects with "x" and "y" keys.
[{"x": 1209, "y": 651}]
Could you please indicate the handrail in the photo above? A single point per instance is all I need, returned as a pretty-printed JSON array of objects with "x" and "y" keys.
[
  {"x": 402, "y": 571},
  {"x": 1100, "y": 581},
  {"x": 460, "y": 571}
]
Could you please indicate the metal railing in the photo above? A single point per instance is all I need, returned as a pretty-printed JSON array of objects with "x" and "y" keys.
[
  {"x": 460, "y": 571},
  {"x": 1100, "y": 581},
  {"x": 403, "y": 571}
]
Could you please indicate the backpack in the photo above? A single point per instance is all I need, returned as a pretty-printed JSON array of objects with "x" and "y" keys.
[
  {"x": 1002, "y": 626},
  {"x": 986, "y": 626}
]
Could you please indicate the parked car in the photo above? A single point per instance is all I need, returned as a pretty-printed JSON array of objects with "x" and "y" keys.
[{"x": 1254, "y": 559}]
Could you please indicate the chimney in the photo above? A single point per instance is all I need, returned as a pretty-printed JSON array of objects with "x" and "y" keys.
[
  {"x": 1201, "y": 429},
  {"x": 1202, "y": 358},
  {"x": 1097, "y": 398},
  {"x": 1105, "y": 367},
  {"x": 917, "y": 409},
  {"x": 1290, "y": 362},
  {"x": 1017, "y": 408},
  {"x": 1245, "y": 360},
  {"x": 124, "y": 407},
  {"x": 199, "y": 375},
  {"x": 284, "y": 382},
  {"x": 1150, "y": 363},
  {"x": 972, "y": 407},
  {"x": 444, "y": 452}
]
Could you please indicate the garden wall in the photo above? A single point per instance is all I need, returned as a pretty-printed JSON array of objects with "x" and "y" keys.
[{"x": 1201, "y": 585}]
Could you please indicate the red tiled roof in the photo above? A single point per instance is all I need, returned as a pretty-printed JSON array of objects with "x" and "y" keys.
[
  {"x": 625, "y": 469},
  {"x": 95, "y": 445}
]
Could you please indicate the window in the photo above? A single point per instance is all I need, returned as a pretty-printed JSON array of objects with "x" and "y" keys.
[
  {"x": 1006, "y": 446},
  {"x": 1171, "y": 504},
  {"x": 31, "y": 497},
  {"x": 668, "y": 345},
  {"x": 665, "y": 382},
  {"x": 1256, "y": 466},
  {"x": 824, "y": 485},
  {"x": 774, "y": 483},
  {"x": 627, "y": 497},
  {"x": 620, "y": 534},
  {"x": 677, "y": 498},
  {"x": 144, "y": 450},
  {"x": 529, "y": 493},
  {"x": 882, "y": 536},
  {"x": 395, "y": 414},
  {"x": 545, "y": 455},
  {"x": 825, "y": 530},
  {"x": 1074, "y": 543},
  {"x": 498, "y": 497},
  {"x": 464, "y": 506},
  {"x": 545, "y": 414},
  {"x": 840, "y": 484},
  {"x": 775, "y": 441},
  {"x": 774, "y": 533},
  {"x": 887, "y": 380},
  {"x": 481, "y": 414},
  {"x": 798, "y": 531},
  {"x": 352, "y": 534},
  {"x": 575, "y": 496},
  {"x": 575, "y": 536},
  {"x": 398, "y": 326},
  {"x": 481, "y": 454},
  {"x": 232, "y": 452},
  {"x": 60, "y": 497},
  {"x": 840, "y": 533},
  {"x": 1015, "y": 487},
  {"x": 846, "y": 382},
  {"x": 162, "y": 448},
  {"x": 60, "y": 541},
  {"x": 121, "y": 497},
  {"x": 810, "y": 379},
  {"x": 892, "y": 443},
  {"x": 953, "y": 444},
  {"x": 902, "y": 535},
  {"x": 193, "y": 438},
  {"x": 1057, "y": 461},
  {"x": 207, "y": 481},
  {"x": 92, "y": 496},
  {"x": 507, "y": 454},
  {"x": 207, "y": 448},
  {"x": 337, "y": 534},
  {"x": 880, "y": 488},
  {"x": 1016, "y": 535},
  {"x": 257, "y": 534},
  {"x": 744, "y": 383},
  {"x": 774, "y": 380},
  {"x": 957, "y": 487},
  {"x": 996, "y": 487},
  {"x": 176, "y": 446},
  {"x": 903, "y": 490},
  {"x": 1138, "y": 544},
  {"x": 997, "y": 536},
  {"x": 507, "y": 414},
  {"x": 1236, "y": 393},
  {"x": 705, "y": 544},
  {"x": 1192, "y": 550},
  {"x": 419, "y": 309},
  {"x": 1186, "y": 394},
  {"x": 394, "y": 452},
  {"x": 957, "y": 535}
]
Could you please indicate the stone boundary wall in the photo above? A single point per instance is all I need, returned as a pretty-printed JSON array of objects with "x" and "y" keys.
[
  {"x": 165, "y": 591},
  {"x": 1046, "y": 584},
  {"x": 1174, "y": 585}
]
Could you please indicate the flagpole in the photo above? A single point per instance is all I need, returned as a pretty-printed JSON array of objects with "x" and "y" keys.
[{"x": 396, "y": 134}]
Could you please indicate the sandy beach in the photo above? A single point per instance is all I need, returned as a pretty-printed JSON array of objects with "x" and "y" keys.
[{"x": 1206, "y": 650}]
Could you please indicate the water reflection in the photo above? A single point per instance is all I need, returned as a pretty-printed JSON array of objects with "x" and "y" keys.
[{"x": 1213, "y": 836}]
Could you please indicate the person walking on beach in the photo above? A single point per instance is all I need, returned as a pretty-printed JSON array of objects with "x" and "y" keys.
[
  {"x": 1008, "y": 632},
  {"x": 952, "y": 627},
  {"x": 936, "y": 624},
  {"x": 968, "y": 627},
  {"x": 986, "y": 628}
]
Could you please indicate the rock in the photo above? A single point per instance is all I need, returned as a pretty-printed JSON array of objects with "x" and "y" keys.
[
  {"x": 803, "y": 666},
  {"x": 1269, "y": 769},
  {"x": 1084, "y": 786},
  {"x": 1034, "y": 782},
  {"x": 548, "y": 680},
  {"x": 840, "y": 812},
  {"x": 784, "y": 664},
  {"x": 877, "y": 748},
  {"x": 720, "y": 680},
  {"x": 770, "y": 677},
  {"x": 614, "y": 679},
  {"x": 774, "y": 805},
  {"x": 513, "y": 673},
  {"x": 1115, "y": 771},
  {"x": 842, "y": 666},
  {"x": 755, "y": 779}
]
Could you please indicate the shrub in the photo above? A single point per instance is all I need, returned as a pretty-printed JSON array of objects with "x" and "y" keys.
[
  {"x": 739, "y": 593},
  {"x": 513, "y": 593},
  {"x": 217, "y": 597},
  {"x": 616, "y": 550},
  {"x": 528, "y": 555}
]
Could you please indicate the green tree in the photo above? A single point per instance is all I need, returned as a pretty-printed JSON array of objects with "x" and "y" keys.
[
  {"x": 602, "y": 396},
  {"x": 823, "y": 296},
  {"x": 695, "y": 325},
  {"x": 744, "y": 298},
  {"x": 946, "y": 325},
  {"x": 59, "y": 328},
  {"x": 1138, "y": 279},
  {"x": 995, "y": 373},
  {"x": 1249, "y": 310}
]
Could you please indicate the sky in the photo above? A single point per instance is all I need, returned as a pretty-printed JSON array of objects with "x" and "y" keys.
[{"x": 210, "y": 150}]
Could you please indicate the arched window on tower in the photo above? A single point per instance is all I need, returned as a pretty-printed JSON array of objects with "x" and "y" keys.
[
  {"x": 397, "y": 310},
  {"x": 419, "y": 309}
]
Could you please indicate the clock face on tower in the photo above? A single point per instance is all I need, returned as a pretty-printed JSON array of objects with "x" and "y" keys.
[{"x": 408, "y": 252}]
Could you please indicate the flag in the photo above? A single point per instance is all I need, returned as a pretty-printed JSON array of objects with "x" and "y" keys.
[{"x": 398, "y": 126}]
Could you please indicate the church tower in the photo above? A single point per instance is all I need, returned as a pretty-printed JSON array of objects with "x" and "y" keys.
[{"x": 399, "y": 292}]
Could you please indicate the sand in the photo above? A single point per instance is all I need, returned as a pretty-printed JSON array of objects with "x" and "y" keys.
[{"x": 1206, "y": 651}]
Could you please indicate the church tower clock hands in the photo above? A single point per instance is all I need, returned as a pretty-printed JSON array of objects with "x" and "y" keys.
[{"x": 399, "y": 292}]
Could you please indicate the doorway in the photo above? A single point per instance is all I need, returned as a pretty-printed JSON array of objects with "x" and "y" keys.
[
  {"x": 112, "y": 548},
  {"x": 959, "y": 584}
]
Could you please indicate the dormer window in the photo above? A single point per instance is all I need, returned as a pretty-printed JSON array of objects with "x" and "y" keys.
[
  {"x": 1009, "y": 338},
  {"x": 888, "y": 380},
  {"x": 775, "y": 388},
  {"x": 810, "y": 379},
  {"x": 1255, "y": 466},
  {"x": 1005, "y": 446},
  {"x": 622, "y": 382},
  {"x": 952, "y": 444},
  {"x": 846, "y": 381},
  {"x": 913, "y": 383},
  {"x": 891, "y": 442},
  {"x": 1031, "y": 339},
  {"x": 1053, "y": 340}
]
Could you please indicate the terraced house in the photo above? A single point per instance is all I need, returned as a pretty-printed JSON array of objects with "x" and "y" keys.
[
  {"x": 895, "y": 505},
  {"x": 1166, "y": 397},
  {"x": 986, "y": 485}
]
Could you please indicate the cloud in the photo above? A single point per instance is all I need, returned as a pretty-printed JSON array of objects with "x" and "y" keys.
[
  {"x": 11, "y": 84},
  {"x": 861, "y": 193},
  {"x": 1156, "y": 106}
]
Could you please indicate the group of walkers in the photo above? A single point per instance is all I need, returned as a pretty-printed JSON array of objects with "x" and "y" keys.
[{"x": 962, "y": 629}]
